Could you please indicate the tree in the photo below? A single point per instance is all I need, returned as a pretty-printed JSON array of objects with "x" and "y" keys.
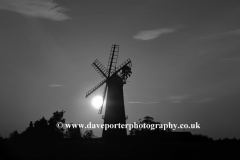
[
  {"x": 57, "y": 117},
  {"x": 133, "y": 132},
  {"x": 146, "y": 121},
  {"x": 30, "y": 124},
  {"x": 150, "y": 129},
  {"x": 14, "y": 135},
  {"x": 40, "y": 124},
  {"x": 30, "y": 133},
  {"x": 43, "y": 129},
  {"x": 88, "y": 134},
  {"x": 126, "y": 72},
  {"x": 168, "y": 130},
  {"x": 74, "y": 133}
]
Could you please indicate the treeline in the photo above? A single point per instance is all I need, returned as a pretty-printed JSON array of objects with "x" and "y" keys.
[
  {"x": 162, "y": 135},
  {"x": 46, "y": 130},
  {"x": 43, "y": 140}
]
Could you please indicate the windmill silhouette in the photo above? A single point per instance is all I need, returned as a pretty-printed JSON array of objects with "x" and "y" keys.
[{"x": 114, "y": 78}]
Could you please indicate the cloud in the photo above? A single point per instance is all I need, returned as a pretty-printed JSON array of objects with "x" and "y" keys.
[
  {"x": 228, "y": 33},
  {"x": 177, "y": 99},
  {"x": 231, "y": 59},
  {"x": 143, "y": 102},
  {"x": 35, "y": 8},
  {"x": 55, "y": 85},
  {"x": 151, "y": 34},
  {"x": 234, "y": 32},
  {"x": 205, "y": 100},
  {"x": 134, "y": 102},
  {"x": 152, "y": 102}
]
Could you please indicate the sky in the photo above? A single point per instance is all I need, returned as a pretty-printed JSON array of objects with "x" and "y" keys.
[{"x": 185, "y": 61}]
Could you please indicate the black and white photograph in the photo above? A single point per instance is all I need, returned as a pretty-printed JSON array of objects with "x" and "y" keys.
[{"x": 119, "y": 79}]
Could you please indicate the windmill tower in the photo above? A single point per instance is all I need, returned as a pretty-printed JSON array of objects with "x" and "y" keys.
[{"x": 114, "y": 78}]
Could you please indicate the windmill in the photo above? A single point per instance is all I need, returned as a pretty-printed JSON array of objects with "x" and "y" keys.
[{"x": 114, "y": 78}]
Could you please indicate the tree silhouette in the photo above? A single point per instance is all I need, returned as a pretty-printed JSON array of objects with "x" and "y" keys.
[
  {"x": 40, "y": 124},
  {"x": 133, "y": 132},
  {"x": 126, "y": 72},
  {"x": 30, "y": 124},
  {"x": 150, "y": 130},
  {"x": 43, "y": 129},
  {"x": 147, "y": 120},
  {"x": 73, "y": 133},
  {"x": 57, "y": 117},
  {"x": 88, "y": 134},
  {"x": 168, "y": 130},
  {"x": 14, "y": 135}
]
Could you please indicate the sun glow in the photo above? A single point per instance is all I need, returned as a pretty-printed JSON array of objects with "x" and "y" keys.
[{"x": 97, "y": 102}]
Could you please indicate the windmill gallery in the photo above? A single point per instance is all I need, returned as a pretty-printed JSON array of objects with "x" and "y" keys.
[{"x": 114, "y": 78}]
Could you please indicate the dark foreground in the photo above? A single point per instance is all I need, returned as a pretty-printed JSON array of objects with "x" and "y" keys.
[{"x": 96, "y": 149}]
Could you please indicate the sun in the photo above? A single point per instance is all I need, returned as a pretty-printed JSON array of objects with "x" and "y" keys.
[{"x": 97, "y": 102}]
